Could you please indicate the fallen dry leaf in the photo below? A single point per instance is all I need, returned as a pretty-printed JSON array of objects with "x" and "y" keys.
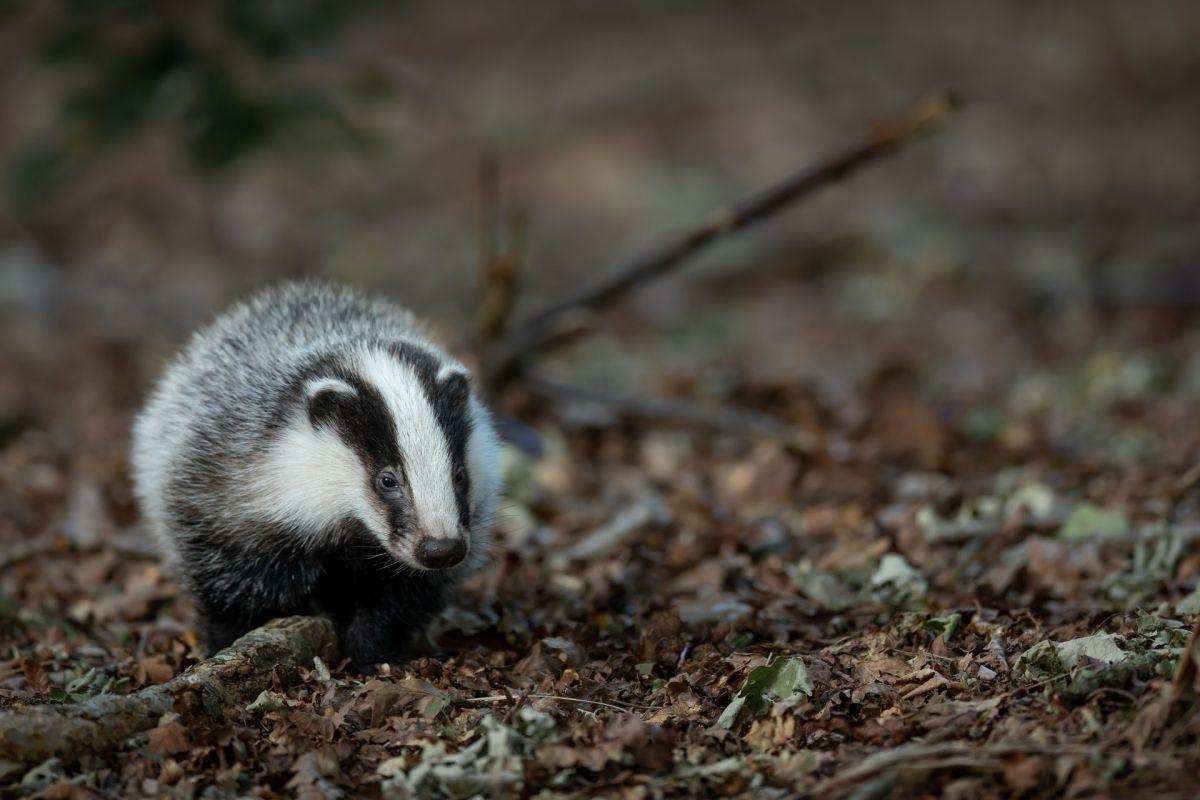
[{"x": 169, "y": 738}]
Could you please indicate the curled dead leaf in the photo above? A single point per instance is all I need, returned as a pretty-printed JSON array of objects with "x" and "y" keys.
[
  {"x": 154, "y": 670},
  {"x": 35, "y": 675},
  {"x": 169, "y": 737}
]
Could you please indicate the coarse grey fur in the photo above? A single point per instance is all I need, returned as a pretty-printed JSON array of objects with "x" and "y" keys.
[{"x": 313, "y": 450}]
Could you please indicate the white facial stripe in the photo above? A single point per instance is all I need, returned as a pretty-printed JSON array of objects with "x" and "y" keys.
[
  {"x": 310, "y": 481},
  {"x": 318, "y": 385},
  {"x": 421, "y": 441}
]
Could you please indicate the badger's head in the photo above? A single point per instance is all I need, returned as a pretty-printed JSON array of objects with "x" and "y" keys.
[{"x": 393, "y": 441}]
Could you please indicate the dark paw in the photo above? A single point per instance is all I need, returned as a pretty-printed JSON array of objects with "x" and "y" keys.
[
  {"x": 220, "y": 633},
  {"x": 367, "y": 653},
  {"x": 365, "y": 669},
  {"x": 370, "y": 663}
]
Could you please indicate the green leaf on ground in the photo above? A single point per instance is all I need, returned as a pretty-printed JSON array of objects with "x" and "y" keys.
[
  {"x": 943, "y": 626},
  {"x": 786, "y": 679},
  {"x": 1089, "y": 520},
  {"x": 1052, "y": 659},
  {"x": 897, "y": 582}
]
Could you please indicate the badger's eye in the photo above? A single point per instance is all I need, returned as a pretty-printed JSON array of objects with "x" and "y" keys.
[
  {"x": 387, "y": 481},
  {"x": 460, "y": 477}
]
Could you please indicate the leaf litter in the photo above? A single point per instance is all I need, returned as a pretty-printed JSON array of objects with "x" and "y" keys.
[
  {"x": 976, "y": 578},
  {"x": 681, "y": 614}
]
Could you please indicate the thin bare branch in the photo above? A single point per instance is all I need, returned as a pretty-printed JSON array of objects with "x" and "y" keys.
[
  {"x": 649, "y": 509},
  {"x": 544, "y": 329},
  {"x": 500, "y": 698},
  {"x": 671, "y": 412},
  {"x": 499, "y": 255},
  {"x": 913, "y": 761},
  {"x": 132, "y": 542},
  {"x": 1184, "y": 683}
]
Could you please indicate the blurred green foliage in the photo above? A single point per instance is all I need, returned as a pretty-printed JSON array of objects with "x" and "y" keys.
[{"x": 215, "y": 75}]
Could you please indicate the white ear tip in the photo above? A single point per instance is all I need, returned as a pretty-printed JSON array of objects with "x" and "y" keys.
[
  {"x": 318, "y": 385},
  {"x": 449, "y": 370}
]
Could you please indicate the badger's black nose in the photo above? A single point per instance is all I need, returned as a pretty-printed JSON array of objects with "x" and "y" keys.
[{"x": 441, "y": 553}]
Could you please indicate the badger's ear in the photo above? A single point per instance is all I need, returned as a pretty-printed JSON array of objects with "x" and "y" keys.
[
  {"x": 453, "y": 386},
  {"x": 328, "y": 399}
]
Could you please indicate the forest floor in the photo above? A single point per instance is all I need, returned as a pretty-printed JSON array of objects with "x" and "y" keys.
[
  {"x": 918, "y": 590},
  {"x": 966, "y": 565}
]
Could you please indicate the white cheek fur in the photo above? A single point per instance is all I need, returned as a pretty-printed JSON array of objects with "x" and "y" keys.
[{"x": 310, "y": 480}]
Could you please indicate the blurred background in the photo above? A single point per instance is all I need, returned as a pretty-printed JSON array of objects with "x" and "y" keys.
[
  {"x": 987, "y": 342},
  {"x": 1035, "y": 261}
]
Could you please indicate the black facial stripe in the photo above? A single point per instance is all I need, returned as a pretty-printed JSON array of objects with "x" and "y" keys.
[
  {"x": 371, "y": 431},
  {"x": 401, "y": 512},
  {"x": 364, "y": 423},
  {"x": 361, "y": 420},
  {"x": 449, "y": 401}
]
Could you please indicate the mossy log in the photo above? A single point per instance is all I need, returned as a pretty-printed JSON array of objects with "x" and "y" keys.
[{"x": 204, "y": 692}]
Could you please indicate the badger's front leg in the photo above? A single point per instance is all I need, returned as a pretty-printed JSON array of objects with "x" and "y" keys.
[
  {"x": 240, "y": 589},
  {"x": 379, "y": 610},
  {"x": 221, "y": 624},
  {"x": 386, "y": 629}
]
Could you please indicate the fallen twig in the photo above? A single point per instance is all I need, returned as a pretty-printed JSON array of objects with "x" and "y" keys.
[
  {"x": 1184, "y": 684},
  {"x": 500, "y": 698},
  {"x": 230, "y": 679},
  {"x": 520, "y": 701},
  {"x": 1160, "y": 719},
  {"x": 917, "y": 759},
  {"x": 23, "y": 551},
  {"x": 130, "y": 542},
  {"x": 668, "y": 411},
  {"x": 546, "y": 327},
  {"x": 649, "y": 509}
]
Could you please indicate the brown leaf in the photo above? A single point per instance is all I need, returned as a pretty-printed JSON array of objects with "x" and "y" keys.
[
  {"x": 594, "y": 758},
  {"x": 63, "y": 789},
  {"x": 662, "y": 638},
  {"x": 880, "y": 669},
  {"x": 36, "y": 675},
  {"x": 154, "y": 670},
  {"x": 764, "y": 479},
  {"x": 313, "y": 767},
  {"x": 902, "y": 424},
  {"x": 537, "y": 664},
  {"x": 1063, "y": 569},
  {"x": 1021, "y": 773},
  {"x": 387, "y": 698},
  {"x": 575, "y": 654},
  {"x": 170, "y": 737},
  {"x": 557, "y": 756},
  {"x": 931, "y": 681},
  {"x": 883, "y": 731},
  {"x": 422, "y": 695},
  {"x": 628, "y": 730},
  {"x": 598, "y": 757}
]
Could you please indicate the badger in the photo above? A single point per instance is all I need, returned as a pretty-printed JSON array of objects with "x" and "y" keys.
[{"x": 313, "y": 451}]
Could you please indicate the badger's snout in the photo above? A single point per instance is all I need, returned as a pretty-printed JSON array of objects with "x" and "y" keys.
[{"x": 441, "y": 553}]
